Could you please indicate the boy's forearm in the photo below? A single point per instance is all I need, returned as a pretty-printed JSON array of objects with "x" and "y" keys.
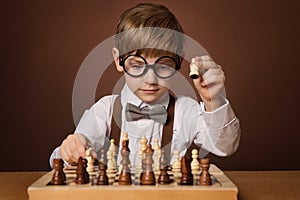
[{"x": 223, "y": 131}]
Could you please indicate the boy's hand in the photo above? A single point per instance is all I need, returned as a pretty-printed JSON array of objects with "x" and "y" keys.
[
  {"x": 72, "y": 148},
  {"x": 210, "y": 83}
]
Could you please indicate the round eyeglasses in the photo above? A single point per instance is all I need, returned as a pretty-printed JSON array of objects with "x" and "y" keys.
[{"x": 137, "y": 66}]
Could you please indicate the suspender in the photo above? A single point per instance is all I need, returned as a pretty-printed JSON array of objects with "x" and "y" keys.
[{"x": 167, "y": 134}]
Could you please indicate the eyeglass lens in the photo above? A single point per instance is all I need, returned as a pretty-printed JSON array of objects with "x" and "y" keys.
[{"x": 136, "y": 66}]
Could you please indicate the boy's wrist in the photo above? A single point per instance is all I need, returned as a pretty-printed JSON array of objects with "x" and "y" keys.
[{"x": 212, "y": 105}]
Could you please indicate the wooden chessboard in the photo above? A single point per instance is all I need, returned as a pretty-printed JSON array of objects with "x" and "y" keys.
[{"x": 221, "y": 188}]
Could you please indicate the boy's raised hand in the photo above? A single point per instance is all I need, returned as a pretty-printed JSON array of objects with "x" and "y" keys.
[
  {"x": 210, "y": 83},
  {"x": 73, "y": 147}
]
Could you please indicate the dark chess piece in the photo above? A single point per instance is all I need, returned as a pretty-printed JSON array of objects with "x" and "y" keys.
[
  {"x": 82, "y": 176},
  {"x": 186, "y": 173},
  {"x": 204, "y": 175},
  {"x": 163, "y": 177},
  {"x": 147, "y": 176},
  {"x": 125, "y": 175},
  {"x": 59, "y": 177},
  {"x": 102, "y": 177}
]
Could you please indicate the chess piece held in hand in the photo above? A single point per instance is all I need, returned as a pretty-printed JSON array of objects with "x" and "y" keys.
[
  {"x": 59, "y": 177},
  {"x": 194, "y": 73}
]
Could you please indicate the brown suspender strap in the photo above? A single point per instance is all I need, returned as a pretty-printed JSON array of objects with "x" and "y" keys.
[
  {"x": 167, "y": 133},
  {"x": 116, "y": 121}
]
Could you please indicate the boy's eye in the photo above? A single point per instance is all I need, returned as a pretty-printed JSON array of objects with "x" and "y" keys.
[
  {"x": 137, "y": 66},
  {"x": 163, "y": 67}
]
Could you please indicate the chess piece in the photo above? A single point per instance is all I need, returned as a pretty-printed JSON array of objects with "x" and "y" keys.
[
  {"x": 143, "y": 143},
  {"x": 176, "y": 166},
  {"x": 194, "y": 73},
  {"x": 147, "y": 176},
  {"x": 195, "y": 165},
  {"x": 125, "y": 175},
  {"x": 186, "y": 174},
  {"x": 204, "y": 175},
  {"x": 138, "y": 166},
  {"x": 111, "y": 167},
  {"x": 59, "y": 177},
  {"x": 82, "y": 176},
  {"x": 163, "y": 177},
  {"x": 113, "y": 149},
  {"x": 90, "y": 160},
  {"x": 156, "y": 156},
  {"x": 124, "y": 137},
  {"x": 102, "y": 177}
]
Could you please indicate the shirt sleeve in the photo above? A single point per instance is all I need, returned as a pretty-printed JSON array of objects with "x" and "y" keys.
[
  {"x": 94, "y": 124},
  {"x": 220, "y": 133}
]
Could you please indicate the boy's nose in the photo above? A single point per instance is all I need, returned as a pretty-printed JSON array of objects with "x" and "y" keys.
[{"x": 150, "y": 77}]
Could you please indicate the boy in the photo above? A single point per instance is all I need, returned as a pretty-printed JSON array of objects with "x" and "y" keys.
[{"x": 178, "y": 122}]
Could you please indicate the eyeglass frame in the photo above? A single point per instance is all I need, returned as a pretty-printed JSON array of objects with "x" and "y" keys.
[{"x": 152, "y": 66}]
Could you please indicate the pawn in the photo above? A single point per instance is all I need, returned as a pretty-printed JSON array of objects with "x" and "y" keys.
[
  {"x": 102, "y": 177},
  {"x": 82, "y": 176},
  {"x": 204, "y": 175},
  {"x": 195, "y": 165},
  {"x": 194, "y": 73},
  {"x": 147, "y": 176},
  {"x": 113, "y": 149},
  {"x": 111, "y": 167},
  {"x": 176, "y": 166},
  {"x": 125, "y": 174},
  {"x": 163, "y": 177},
  {"x": 186, "y": 174},
  {"x": 157, "y": 155},
  {"x": 59, "y": 177}
]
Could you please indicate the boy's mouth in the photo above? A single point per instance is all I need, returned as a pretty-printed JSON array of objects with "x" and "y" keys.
[{"x": 149, "y": 91}]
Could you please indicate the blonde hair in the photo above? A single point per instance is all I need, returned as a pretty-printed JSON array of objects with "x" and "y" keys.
[{"x": 150, "y": 26}]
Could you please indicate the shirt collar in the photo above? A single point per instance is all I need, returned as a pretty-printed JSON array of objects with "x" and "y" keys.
[{"x": 127, "y": 96}]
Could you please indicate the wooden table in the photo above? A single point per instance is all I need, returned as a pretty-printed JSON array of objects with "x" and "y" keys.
[{"x": 253, "y": 185}]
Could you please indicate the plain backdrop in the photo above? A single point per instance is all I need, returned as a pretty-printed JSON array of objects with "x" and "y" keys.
[{"x": 44, "y": 43}]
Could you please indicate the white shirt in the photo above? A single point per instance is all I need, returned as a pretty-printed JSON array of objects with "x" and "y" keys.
[{"x": 217, "y": 132}]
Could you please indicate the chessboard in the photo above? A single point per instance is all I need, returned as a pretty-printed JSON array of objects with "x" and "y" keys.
[
  {"x": 221, "y": 188},
  {"x": 150, "y": 178}
]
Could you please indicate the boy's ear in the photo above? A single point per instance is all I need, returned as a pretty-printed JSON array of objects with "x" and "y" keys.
[{"x": 115, "y": 53}]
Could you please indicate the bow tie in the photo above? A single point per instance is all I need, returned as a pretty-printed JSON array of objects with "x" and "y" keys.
[{"x": 134, "y": 113}]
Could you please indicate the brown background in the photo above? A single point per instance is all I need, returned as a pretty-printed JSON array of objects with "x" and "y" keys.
[{"x": 43, "y": 44}]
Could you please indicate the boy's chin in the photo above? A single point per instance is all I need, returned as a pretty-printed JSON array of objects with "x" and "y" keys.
[{"x": 149, "y": 98}]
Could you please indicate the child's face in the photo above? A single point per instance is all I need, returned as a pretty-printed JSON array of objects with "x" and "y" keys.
[{"x": 147, "y": 86}]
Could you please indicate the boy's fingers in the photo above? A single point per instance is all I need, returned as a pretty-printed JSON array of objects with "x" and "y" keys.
[
  {"x": 212, "y": 76},
  {"x": 203, "y": 58}
]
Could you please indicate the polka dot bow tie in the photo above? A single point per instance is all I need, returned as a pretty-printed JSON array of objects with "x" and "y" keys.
[{"x": 158, "y": 113}]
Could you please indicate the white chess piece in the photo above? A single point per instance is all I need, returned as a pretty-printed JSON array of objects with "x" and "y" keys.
[
  {"x": 113, "y": 149},
  {"x": 156, "y": 155},
  {"x": 176, "y": 165},
  {"x": 124, "y": 135},
  {"x": 195, "y": 165},
  {"x": 143, "y": 143},
  {"x": 90, "y": 160},
  {"x": 111, "y": 167},
  {"x": 139, "y": 164}
]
